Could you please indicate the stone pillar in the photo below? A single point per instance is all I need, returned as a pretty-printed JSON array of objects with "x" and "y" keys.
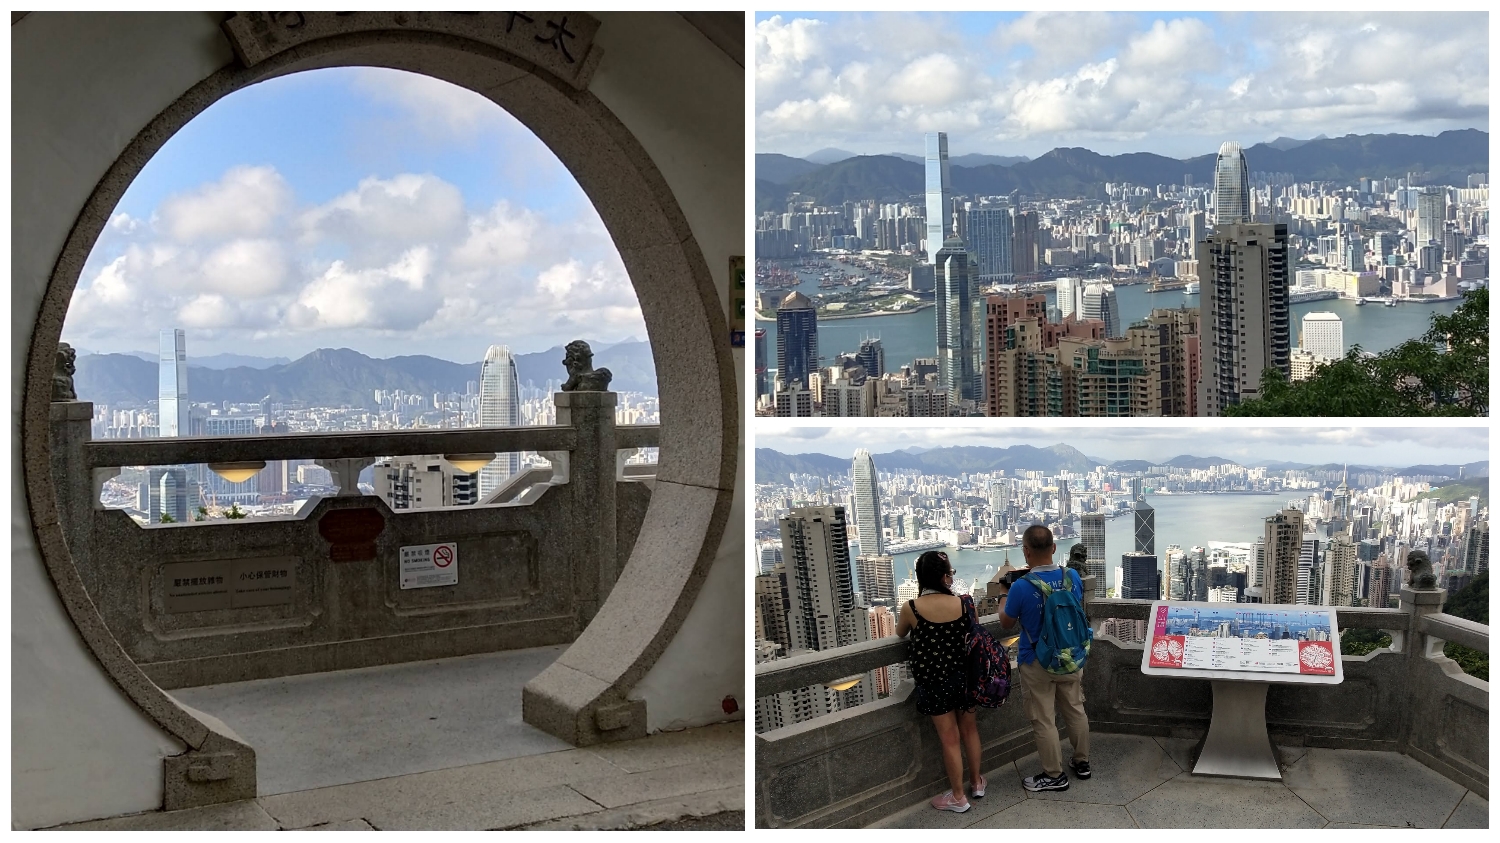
[
  {"x": 591, "y": 482},
  {"x": 72, "y": 428},
  {"x": 1417, "y": 602}
]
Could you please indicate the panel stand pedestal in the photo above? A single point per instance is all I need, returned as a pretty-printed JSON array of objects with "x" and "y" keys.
[{"x": 1238, "y": 744}]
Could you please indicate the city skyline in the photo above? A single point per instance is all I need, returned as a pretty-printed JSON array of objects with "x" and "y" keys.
[
  {"x": 353, "y": 207},
  {"x": 1172, "y": 83},
  {"x": 1366, "y": 445}
]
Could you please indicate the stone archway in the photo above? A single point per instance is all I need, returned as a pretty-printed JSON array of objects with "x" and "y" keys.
[{"x": 583, "y": 697}]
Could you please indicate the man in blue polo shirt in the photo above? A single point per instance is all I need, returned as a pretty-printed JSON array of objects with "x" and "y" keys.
[{"x": 1045, "y": 692}]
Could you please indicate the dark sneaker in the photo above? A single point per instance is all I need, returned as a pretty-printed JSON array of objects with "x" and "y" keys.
[
  {"x": 1042, "y": 781},
  {"x": 1080, "y": 769}
]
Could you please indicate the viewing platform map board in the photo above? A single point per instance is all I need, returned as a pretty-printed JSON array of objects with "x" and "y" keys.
[{"x": 1243, "y": 641}]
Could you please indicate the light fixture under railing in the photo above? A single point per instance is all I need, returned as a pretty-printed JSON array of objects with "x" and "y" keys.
[
  {"x": 469, "y": 463},
  {"x": 237, "y": 472},
  {"x": 843, "y": 684}
]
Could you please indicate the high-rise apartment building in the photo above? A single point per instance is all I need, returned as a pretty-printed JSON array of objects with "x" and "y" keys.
[
  {"x": 882, "y": 623},
  {"x": 959, "y": 311},
  {"x": 499, "y": 406},
  {"x": 821, "y": 612},
  {"x": 796, "y": 340},
  {"x": 1024, "y": 254},
  {"x": 423, "y": 482},
  {"x": 1341, "y": 561},
  {"x": 1310, "y": 571},
  {"x": 173, "y": 409},
  {"x": 1283, "y": 554},
  {"x": 867, "y": 520},
  {"x": 1145, "y": 526},
  {"x": 762, "y": 364},
  {"x": 1246, "y": 318},
  {"x": 1323, "y": 334},
  {"x": 987, "y": 231},
  {"x": 1091, "y": 533},
  {"x": 1231, "y": 187},
  {"x": 1432, "y": 213},
  {"x": 1069, "y": 297},
  {"x": 876, "y": 576},
  {"x": 939, "y": 194}
]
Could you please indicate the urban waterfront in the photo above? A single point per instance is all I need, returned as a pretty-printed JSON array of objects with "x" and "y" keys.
[
  {"x": 908, "y": 336},
  {"x": 1183, "y": 520}
]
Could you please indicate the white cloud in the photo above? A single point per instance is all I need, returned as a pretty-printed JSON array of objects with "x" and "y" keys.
[
  {"x": 436, "y": 107},
  {"x": 400, "y": 261},
  {"x": 244, "y": 202},
  {"x": 1175, "y": 84}
]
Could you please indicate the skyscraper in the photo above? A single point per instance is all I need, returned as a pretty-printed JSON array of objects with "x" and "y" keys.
[
  {"x": 1140, "y": 578},
  {"x": 876, "y": 576},
  {"x": 796, "y": 340},
  {"x": 1432, "y": 211},
  {"x": 871, "y": 357},
  {"x": 171, "y": 385},
  {"x": 1246, "y": 321},
  {"x": 959, "y": 314},
  {"x": 1323, "y": 334},
  {"x": 1342, "y": 564},
  {"x": 821, "y": 613},
  {"x": 499, "y": 406},
  {"x": 939, "y": 194},
  {"x": 867, "y": 506},
  {"x": 1023, "y": 250},
  {"x": 172, "y": 495},
  {"x": 1064, "y": 502},
  {"x": 1091, "y": 532},
  {"x": 988, "y": 234},
  {"x": 1070, "y": 297},
  {"x": 1231, "y": 186},
  {"x": 1145, "y": 527},
  {"x": 1283, "y": 553},
  {"x": 762, "y": 378},
  {"x": 1101, "y": 302}
]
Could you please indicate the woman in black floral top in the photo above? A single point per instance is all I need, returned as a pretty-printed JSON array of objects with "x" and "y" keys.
[{"x": 938, "y": 622}]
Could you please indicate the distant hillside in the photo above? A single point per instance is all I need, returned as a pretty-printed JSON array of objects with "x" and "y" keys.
[
  {"x": 1473, "y": 469},
  {"x": 780, "y": 169},
  {"x": 828, "y": 155},
  {"x": 1071, "y": 172},
  {"x": 335, "y": 377},
  {"x": 1458, "y": 491},
  {"x": 774, "y": 466}
]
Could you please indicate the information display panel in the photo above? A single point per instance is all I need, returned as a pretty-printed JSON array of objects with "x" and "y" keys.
[{"x": 1245, "y": 641}]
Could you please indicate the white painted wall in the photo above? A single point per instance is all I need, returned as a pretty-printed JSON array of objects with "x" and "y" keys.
[
  {"x": 82, "y": 87},
  {"x": 685, "y": 103}
]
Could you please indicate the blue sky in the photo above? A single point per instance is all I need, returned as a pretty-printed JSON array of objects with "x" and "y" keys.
[
  {"x": 360, "y": 207},
  {"x": 1173, "y": 83},
  {"x": 1395, "y": 447}
]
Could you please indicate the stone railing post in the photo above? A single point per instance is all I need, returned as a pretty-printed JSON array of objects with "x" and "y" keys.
[
  {"x": 72, "y": 428},
  {"x": 592, "y": 486},
  {"x": 1416, "y": 602}
]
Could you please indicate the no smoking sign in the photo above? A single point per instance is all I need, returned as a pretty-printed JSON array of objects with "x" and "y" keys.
[{"x": 428, "y": 565}]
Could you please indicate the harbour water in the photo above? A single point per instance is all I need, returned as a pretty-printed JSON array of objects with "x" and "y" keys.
[
  {"x": 1184, "y": 520},
  {"x": 908, "y": 336}
]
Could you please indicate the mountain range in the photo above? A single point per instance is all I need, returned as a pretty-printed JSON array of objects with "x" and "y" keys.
[
  {"x": 1446, "y": 158},
  {"x": 774, "y": 466},
  {"x": 332, "y": 377}
]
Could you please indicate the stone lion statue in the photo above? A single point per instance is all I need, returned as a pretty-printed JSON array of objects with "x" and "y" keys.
[
  {"x": 1078, "y": 557},
  {"x": 578, "y": 359},
  {"x": 1420, "y": 569},
  {"x": 62, "y": 375}
]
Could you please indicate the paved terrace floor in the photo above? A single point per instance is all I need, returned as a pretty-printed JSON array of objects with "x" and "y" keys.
[
  {"x": 1142, "y": 782},
  {"x": 441, "y": 745}
]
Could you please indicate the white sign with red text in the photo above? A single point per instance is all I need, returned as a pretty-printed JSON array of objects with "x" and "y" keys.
[{"x": 428, "y": 565}]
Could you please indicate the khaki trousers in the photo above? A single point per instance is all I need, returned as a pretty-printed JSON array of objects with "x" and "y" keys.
[{"x": 1046, "y": 693}]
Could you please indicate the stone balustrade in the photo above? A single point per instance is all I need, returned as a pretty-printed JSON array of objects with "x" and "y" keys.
[
  {"x": 850, "y": 768},
  {"x": 230, "y": 600}
]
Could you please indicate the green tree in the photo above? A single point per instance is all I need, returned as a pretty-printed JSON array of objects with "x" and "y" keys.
[
  {"x": 202, "y": 514},
  {"x": 166, "y": 518},
  {"x": 1472, "y": 603},
  {"x": 1443, "y": 373},
  {"x": 1362, "y": 642},
  {"x": 235, "y": 511}
]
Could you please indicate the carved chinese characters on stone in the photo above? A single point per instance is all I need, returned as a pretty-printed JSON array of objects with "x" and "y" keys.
[{"x": 560, "y": 43}]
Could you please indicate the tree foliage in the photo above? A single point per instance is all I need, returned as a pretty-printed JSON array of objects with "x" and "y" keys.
[
  {"x": 1472, "y": 602},
  {"x": 235, "y": 511},
  {"x": 1362, "y": 642},
  {"x": 166, "y": 518},
  {"x": 1445, "y": 372}
]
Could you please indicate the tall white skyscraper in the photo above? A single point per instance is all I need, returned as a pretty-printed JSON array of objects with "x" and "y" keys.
[
  {"x": 1432, "y": 211},
  {"x": 1091, "y": 533},
  {"x": 1323, "y": 334},
  {"x": 939, "y": 194},
  {"x": 171, "y": 384},
  {"x": 1101, "y": 302},
  {"x": 1231, "y": 186},
  {"x": 1069, "y": 295},
  {"x": 499, "y": 406},
  {"x": 867, "y": 505}
]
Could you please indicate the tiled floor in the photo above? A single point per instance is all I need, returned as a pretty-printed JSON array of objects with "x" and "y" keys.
[
  {"x": 671, "y": 778},
  {"x": 1142, "y": 782}
]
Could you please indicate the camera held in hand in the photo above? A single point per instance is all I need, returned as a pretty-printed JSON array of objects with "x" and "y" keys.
[{"x": 1011, "y": 578}]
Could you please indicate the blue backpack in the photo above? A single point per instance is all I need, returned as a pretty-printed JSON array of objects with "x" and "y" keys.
[{"x": 1065, "y": 633}]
